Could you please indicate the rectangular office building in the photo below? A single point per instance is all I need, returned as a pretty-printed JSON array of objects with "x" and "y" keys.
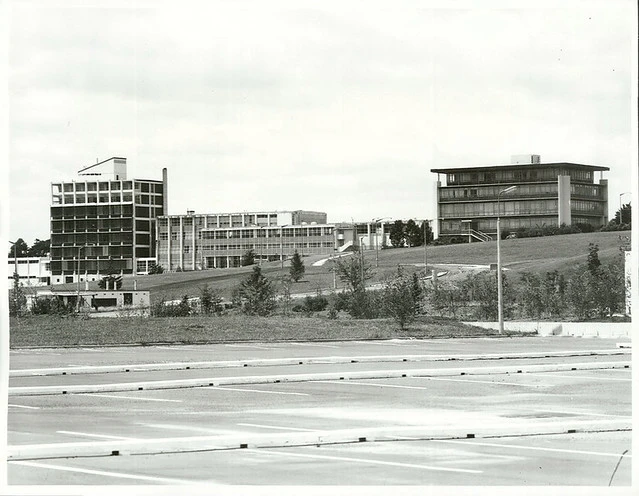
[
  {"x": 206, "y": 241},
  {"x": 103, "y": 223},
  {"x": 524, "y": 194}
]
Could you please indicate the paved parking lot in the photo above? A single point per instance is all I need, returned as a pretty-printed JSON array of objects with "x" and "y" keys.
[{"x": 541, "y": 424}]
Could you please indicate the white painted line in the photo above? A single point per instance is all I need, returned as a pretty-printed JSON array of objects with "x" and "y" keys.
[
  {"x": 100, "y": 395},
  {"x": 483, "y": 382},
  {"x": 368, "y": 461},
  {"x": 315, "y": 344},
  {"x": 178, "y": 427},
  {"x": 24, "y": 406},
  {"x": 248, "y": 346},
  {"x": 254, "y": 390},
  {"x": 98, "y": 436},
  {"x": 570, "y": 376},
  {"x": 275, "y": 427},
  {"x": 355, "y": 383},
  {"x": 533, "y": 448},
  {"x": 588, "y": 414},
  {"x": 103, "y": 473},
  {"x": 96, "y": 350}
]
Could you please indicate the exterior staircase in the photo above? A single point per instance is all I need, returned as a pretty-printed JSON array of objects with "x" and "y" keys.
[{"x": 481, "y": 236}]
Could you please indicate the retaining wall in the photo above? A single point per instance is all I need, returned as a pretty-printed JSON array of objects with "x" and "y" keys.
[{"x": 580, "y": 329}]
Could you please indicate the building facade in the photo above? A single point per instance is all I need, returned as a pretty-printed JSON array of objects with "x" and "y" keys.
[
  {"x": 470, "y": 199},
  {"x": 32, "y": 271},
  {"x": 103, "y": 222},
  {"x": 204, "y": 241}
]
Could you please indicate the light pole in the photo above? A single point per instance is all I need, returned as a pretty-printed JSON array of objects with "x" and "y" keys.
[
  {"x": 500, "y": 303},
  {"x": 375, "y": 221},
  {"x": 78, "y": 282},
  {"x": 361, "y": 261},
  {"x": 426, "y": 223},
  {"x": 15, "y": 256}
]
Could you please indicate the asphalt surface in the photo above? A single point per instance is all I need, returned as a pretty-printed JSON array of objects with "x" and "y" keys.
[{"x": 527, "y": 418}]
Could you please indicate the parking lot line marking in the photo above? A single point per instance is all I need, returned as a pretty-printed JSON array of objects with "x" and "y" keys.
[
  {"x": 589, "y": 414},
  {"x": 254, "y": 390},
  {"x": 368, "y": 461},
  {"x": 481, "y": 382},
  {"x": 100, "y": 395},
  {"x": 276, "y": 427},
  {"x": 534, "y": 448},
  {"x": 25, "y": 406},
  {"x": 178, "y": 427},
  {"x": 102, "y": 472},
  {"x": 248, "y": 346},
  {"x": 314, "y": 344},
  {"x": 356, "y": 383},
  {"x": 99, "y": 436},
  {"x": 555, "y": 374}
]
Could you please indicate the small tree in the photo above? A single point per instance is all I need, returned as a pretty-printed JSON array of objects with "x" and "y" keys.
[
  {"x": 593, "y": 258},
  {"x": 210, "y": 300},
  {"x": 248, "y": 258},
  {"x": 155, "y": 269},
  {"x": 18, "y": 300},
  {"x": 396, "y": 234},
  {"x": 353, "y": 271},
  {"x": 413, "y": 234},
  {"x": 401, "y": 299},
  {"x": 297, "y": 267},
  {"x": 257, "y": 294}
]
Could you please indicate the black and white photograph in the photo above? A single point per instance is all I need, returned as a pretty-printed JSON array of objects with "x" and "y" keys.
[{"x": 293, "y": 247}]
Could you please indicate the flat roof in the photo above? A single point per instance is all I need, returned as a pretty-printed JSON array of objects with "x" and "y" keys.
[{"x": 521, "y": 166}]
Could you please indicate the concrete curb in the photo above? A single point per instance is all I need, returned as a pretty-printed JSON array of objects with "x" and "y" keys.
[
  {"x": 342, "y": 436},
  {"x": 98, "y": 369},
  {"x": 377, "y": 374}
]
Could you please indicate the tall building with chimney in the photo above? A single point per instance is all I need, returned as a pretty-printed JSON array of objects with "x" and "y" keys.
[{"x": 104, "y": 223}]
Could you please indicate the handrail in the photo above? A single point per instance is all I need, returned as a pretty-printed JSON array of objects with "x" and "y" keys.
[{"x": 479, "y": 235}]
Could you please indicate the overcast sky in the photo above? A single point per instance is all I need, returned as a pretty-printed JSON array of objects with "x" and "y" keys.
[{"x": 313, "y": 105}]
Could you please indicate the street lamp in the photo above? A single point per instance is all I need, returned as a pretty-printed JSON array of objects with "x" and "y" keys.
[
  {"x": 375, "y": 221},
  {"x": 500, "y": 303},
  {"x": 426, "y": 223},
  {"x": 78, "y": 281}
]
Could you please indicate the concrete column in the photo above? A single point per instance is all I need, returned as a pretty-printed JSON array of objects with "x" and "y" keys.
[
  {"x": 165, "y": 194},
  {"x": 181, "y": 240},
  {"x": 168, "y": 244},
  {"x": 604, "y": 196},
  {"x": 194, "y": 241},
  {"x": 563, "y": 203}
]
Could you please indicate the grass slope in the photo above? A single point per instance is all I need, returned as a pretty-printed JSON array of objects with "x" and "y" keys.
[
  {"x": 563, "y": 253},
  {"x": 43, "y": 331}
]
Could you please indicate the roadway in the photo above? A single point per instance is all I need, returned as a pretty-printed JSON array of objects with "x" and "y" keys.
[{"x": 527, "y": 418}]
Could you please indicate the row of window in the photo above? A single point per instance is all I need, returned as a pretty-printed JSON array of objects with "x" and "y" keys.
[
  {"x": 104, "y": 252},
  {"x": 479, "y": 209},
  {"x": 81, "y": 239},
  {"x": 490, "y": 225},
  {"x": 79, "y": 187},
  {"x": 236, "y": 220},
  {"x": 493, "y": 191},
  {"x": 80, "y": 198},
  {"x": 528, "y": 174}
]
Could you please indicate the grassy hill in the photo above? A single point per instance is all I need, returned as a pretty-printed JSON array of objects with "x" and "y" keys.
[{"x": 563, "y": 253}]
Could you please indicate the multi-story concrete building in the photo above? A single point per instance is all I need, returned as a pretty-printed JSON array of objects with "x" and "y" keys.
[
  {"x": 202, "y": 241},
  {"x": 470, "y": 199},
  {"x": 104, "y": 222}
]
